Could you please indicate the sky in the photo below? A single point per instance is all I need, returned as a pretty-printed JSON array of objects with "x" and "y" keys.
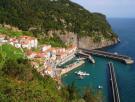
[{"x": 111, "y": 8}]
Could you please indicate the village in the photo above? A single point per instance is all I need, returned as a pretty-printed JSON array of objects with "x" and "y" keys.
[{"x": 45, "y": 58}]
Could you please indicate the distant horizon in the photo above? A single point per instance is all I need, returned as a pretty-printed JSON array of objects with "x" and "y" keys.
[{"x": 110, "y": 8}]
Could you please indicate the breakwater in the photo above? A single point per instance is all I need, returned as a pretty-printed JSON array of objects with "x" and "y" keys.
[{"x": 114, "y": 85}]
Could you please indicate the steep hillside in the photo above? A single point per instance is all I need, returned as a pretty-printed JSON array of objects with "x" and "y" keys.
[
  {"x": 20, "y": 82},
  {"x": 46, "y": 17}
]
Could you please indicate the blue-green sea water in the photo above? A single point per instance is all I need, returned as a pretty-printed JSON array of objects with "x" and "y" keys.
[{"x": 125, "y": 28}]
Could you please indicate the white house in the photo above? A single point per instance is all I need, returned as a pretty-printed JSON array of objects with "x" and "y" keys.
[
  {"x": 28, "y": 42},
  {"x": 46, "y": 47}
]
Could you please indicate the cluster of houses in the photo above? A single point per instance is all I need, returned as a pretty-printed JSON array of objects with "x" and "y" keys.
[
  {"x": 50, "y": 56},
  {"x": 20, "y": 42},
  {"x": 46, "y": 58}
]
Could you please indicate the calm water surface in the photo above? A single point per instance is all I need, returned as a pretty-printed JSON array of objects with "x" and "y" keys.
[{"x": 125, "y": 28}]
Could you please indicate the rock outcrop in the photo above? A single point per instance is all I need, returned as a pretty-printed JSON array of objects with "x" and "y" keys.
[{"x": 86, "y": 42}]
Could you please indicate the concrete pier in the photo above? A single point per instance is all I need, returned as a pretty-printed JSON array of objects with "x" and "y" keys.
[
  {"x": 114, "y": 85},
  {"x": 87, "y": 56},
  {"x": 121, "y": 58},
  {"x": 66, "y": 59},
  {"x": 71, "y": 67}
]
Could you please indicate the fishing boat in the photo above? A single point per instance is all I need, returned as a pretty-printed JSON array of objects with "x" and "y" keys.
[{"x": 80, "y": 73}]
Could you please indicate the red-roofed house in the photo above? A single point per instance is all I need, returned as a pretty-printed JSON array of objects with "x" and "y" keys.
[{"x": 31, "y": 55}]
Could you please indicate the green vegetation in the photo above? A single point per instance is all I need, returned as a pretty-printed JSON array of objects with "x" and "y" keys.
[
  {"x": 8, "y": 52},
  {"x": 19, "y": 82},
  {"x": 54, "y": 41},
  {"x": 11, "y": 33},
  {"x": 41, "y": 16}
]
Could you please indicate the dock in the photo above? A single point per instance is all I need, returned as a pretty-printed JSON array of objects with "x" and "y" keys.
[
  {"x": 87, "y": 56},
  {"x": 114, "y": 85},
  {"x": 66, "y": 59},
  {"x": 71, "y": 67},
  {"x": 122, "y": 58}
]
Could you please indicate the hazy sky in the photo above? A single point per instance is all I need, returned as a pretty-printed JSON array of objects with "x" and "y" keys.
[{"x": 111, "y": 8}]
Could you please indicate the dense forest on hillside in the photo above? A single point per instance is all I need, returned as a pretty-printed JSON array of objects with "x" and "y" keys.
[
  {"x": 41, "y": 16},
  {"x": 19, "y": 82}
]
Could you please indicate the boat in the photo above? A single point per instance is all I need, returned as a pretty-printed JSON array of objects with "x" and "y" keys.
[
  {"x": 100, "y": 87},
  {"x": 116, "y": 53},
  {"x": 80, "y": 73}
]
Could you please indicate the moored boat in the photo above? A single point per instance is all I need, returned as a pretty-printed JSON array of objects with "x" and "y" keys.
[{"x": 80, "y": 73}]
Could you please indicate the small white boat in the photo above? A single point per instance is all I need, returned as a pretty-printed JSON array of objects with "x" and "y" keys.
[
  {"x": 80, "y": 73},
  {"x": 100, "y": 87},
  {"x": 116, "y": 53}
]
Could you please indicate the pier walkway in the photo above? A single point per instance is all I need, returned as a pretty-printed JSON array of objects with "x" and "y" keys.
[
  {"x": 71, "y": 67},
  {"x": 86, "y": 55},
  {"x": 114, "y": 86},
  {"x": 122, "y": 58}
]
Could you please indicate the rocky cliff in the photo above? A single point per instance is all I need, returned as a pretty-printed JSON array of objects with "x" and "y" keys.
[{"x": 86, "y": 42}]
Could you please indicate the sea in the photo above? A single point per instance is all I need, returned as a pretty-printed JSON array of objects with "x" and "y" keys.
[{"x": 125, "y": 29}]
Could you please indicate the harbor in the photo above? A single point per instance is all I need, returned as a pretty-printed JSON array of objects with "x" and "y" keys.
[
  {"x": 98, "y": 71},
  {"x": 87, "y": 54},
  {"x": 71, "y": 67}
]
